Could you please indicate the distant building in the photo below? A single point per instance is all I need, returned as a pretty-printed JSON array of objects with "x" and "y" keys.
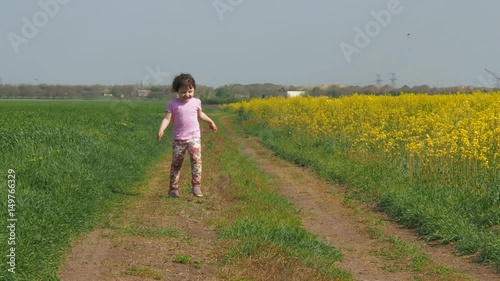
[
  {"x": 291, "y": 94},
  {"x": 241, "y": 96},
  {"x": 106, "y": 93},
  {"x": 143, "y": 93}
]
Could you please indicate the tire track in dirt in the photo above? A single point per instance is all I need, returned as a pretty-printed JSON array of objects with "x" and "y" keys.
[{"x": 325, "y": 215}]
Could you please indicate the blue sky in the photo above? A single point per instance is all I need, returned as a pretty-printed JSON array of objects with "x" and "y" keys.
[{"x": 290, "y": 42}]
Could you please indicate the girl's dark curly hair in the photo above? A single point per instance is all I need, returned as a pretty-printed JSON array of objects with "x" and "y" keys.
[{"x": 183, "y": 79}]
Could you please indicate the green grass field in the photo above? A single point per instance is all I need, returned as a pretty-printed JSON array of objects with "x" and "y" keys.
[{"x": 69, "y": 160}]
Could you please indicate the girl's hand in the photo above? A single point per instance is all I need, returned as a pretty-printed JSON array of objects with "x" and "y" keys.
[
  {"x": 159, "y": 136},
  {"x": 213, "y": 127}
]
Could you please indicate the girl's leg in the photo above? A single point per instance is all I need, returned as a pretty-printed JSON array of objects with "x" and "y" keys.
[
  {"x": 194, "y": 149},
  {"x": 178, "y": 150}
]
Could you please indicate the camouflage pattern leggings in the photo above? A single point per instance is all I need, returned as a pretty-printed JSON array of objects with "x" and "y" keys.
[{"x": 179, "y": 147}]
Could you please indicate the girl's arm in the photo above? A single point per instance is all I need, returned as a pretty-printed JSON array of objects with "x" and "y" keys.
[
  {"x": 164, "y": 125},
  {"x": 207, "y": 119}
]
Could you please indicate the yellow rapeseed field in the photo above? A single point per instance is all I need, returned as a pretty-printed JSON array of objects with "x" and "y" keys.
[
  {"x": 434, "y": 130},
  {"x": 431, "y": 161}
]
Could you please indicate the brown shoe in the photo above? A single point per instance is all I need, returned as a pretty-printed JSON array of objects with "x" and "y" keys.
[
  {"x": 173, "y": 193},
  {"x": 197, "y": 191}
]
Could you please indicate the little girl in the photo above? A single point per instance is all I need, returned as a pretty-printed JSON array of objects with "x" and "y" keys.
[{"x": 184, "y": 111}]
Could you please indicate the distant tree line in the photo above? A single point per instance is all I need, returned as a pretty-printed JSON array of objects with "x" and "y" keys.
[
  {"x": 338, "y": 90},
  {"x": 45, "y": 91},
  {"x": 222, "y": 94},
  {"x": 239, "y": 91}
]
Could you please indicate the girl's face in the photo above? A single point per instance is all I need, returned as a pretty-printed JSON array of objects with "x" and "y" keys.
[{"x": 186, "y": 92}]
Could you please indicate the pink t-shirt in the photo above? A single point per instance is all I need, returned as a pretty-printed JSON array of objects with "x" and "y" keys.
[{"x": 185, "y": 118}]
